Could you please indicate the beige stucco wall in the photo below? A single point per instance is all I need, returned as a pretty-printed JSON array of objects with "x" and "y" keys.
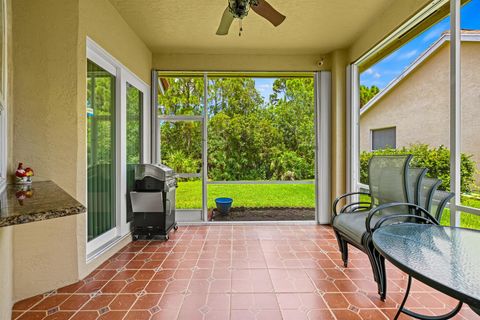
[
  {"x": 240, "y": 62},
  {"x": 338, "y": 143},
  {"x": 6, "y": 272},
  {"x": 49, "y": 126},
  {"x": 419, "y": 106},
  {"x": 45, "y": 88}
]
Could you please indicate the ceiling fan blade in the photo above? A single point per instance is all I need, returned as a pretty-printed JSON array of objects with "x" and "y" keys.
[
  {"x": 268, "y": 12},
  {"x": 225, "y": 23}
]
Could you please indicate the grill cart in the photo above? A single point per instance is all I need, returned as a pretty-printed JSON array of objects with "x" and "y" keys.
[{"x": 153, "y": 201}]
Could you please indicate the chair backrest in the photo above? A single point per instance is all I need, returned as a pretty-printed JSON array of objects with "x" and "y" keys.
[
  {"x": 439, "y": 201},
  {"x": 427, "y": 189},
  {"x": 387, "y": 178},
  {"x": 415, "y": 177}
]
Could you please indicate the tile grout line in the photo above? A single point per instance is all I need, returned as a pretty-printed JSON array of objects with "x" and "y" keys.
[
  {"x": 117, "y": 272},
  {"x": 190, "y": 281}
]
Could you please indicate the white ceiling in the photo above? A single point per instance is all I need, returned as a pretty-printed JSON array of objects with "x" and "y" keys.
[{"x": 189, "y": 26}]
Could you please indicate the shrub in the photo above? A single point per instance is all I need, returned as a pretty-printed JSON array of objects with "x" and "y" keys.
[
  {"x": 288, "y": 165},
  {"x": 179, "y": 162},
  {"x": 436, "y": 160}
]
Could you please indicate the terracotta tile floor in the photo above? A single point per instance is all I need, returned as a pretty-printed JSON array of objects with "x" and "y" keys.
[{"x": 233, "y": 272}]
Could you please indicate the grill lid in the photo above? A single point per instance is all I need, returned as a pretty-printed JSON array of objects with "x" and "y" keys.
[{"x": 157, "y": 171}]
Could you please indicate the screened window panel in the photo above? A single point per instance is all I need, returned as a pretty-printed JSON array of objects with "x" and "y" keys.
[
  {"x": 384, "y": 139},
  {"x": 100, "y": 150},
  {"x": 134, "y": 139}
]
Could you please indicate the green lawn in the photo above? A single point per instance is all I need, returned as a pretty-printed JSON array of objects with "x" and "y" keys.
[{"x": 189, "y": 195}]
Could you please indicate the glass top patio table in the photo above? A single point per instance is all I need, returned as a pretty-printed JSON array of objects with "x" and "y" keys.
[{"x": 444, "y": 258}]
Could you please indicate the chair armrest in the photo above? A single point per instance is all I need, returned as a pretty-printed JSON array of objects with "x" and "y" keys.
[
  {"x": 397, "y": 216},
  {"x": 358, "y": 204},
  {"x": 337, "y": 200},
  {"x": 415, "y": 207}
]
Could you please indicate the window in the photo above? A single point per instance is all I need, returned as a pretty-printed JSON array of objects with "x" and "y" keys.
[
  {"x": 100, "y": 150},
  {"x": 437, "y": 113},
  {"x": 3, "y": 98},
  {"x": 384, "y": 138}
]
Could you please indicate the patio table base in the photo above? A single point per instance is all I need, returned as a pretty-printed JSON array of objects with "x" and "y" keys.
[{"x": 412, "y": 314}]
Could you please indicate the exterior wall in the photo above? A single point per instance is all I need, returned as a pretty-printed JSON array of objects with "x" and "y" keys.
[
  {"x": 100, "y": 21},
  {"x": 339, "y": 64},
  {"x": 245, "y": 62},
  {"x": 419, "y": 106},
  {"x": 6, "y": 272},
  {"x": 45, "y": 89},
  {"x": 49, "y": 126}
]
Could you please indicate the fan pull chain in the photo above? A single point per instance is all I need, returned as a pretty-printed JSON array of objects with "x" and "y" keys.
[{"x": 241, "y": 27}]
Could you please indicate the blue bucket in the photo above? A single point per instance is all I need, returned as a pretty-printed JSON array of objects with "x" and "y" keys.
[{"x": 224, "y": 205}]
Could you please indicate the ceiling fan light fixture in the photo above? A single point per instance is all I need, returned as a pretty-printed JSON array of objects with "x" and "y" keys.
[{"x": 238, "y": 9}]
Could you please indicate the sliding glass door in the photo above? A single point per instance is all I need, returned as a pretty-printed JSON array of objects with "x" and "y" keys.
[
  {"x": 100, "y": 150},
  {"x": 118, "y": 138}
]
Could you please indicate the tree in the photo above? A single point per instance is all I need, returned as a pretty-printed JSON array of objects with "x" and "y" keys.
[
  {"x": 367, "y": 93},
  {"x": 183, "y": 97},
  {"x": 292, "y": 108},
  {"x": 233, "y": 96},
  {"x": 248, "y": 138}
]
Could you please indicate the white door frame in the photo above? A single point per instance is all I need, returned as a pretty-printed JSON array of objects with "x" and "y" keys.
[
  {"x": 98, "y": 55},
  {"x": 323, "y": 105}
]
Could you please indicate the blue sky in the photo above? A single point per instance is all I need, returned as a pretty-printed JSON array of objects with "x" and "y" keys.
[
  {"x": 390, "y": 67},
  {"x": 264, "y": 86}
]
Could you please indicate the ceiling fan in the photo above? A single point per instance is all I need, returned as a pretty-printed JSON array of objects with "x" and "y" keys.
[{"x": 239, "y": 9}]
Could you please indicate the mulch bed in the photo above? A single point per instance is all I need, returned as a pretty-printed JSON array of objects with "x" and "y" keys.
[{"x": 263, "y": 214}]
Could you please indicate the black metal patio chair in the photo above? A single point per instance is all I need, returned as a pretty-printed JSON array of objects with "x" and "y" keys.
[
  {"x": 388, "y": 182},
  {"x": 395, "y": 190},
  {"x": 439, "y": 201}
]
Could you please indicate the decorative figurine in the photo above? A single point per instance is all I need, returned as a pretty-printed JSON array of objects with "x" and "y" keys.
[{"x": 23, "y": 176}]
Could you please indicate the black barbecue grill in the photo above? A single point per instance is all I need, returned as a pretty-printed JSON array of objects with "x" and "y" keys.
[{"x": 153, "y": 201}]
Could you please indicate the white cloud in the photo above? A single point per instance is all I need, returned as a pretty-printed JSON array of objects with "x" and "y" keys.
[
  {"x": 390, "y": 56},
  {"x": 408, "y": 54},
  {"x": 265, "y": 87},
  {"x": 373, "y": 73},
  {"x": 369, "y": 71},
  {"x": 433, "y": 33}
]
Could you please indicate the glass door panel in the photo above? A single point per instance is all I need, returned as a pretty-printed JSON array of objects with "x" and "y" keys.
[
  {"x": 100, "y": 150},
  {"x": 134, "y": 138}
]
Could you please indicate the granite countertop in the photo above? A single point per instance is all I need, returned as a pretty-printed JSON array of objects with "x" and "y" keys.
[{"x": 36, "y": 202}]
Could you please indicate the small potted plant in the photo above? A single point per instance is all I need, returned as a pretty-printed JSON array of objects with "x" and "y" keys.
[{"x": 23, "y": 176}]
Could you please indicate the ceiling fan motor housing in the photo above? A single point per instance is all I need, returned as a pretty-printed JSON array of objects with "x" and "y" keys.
[{"x": 240, "y": 8}]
